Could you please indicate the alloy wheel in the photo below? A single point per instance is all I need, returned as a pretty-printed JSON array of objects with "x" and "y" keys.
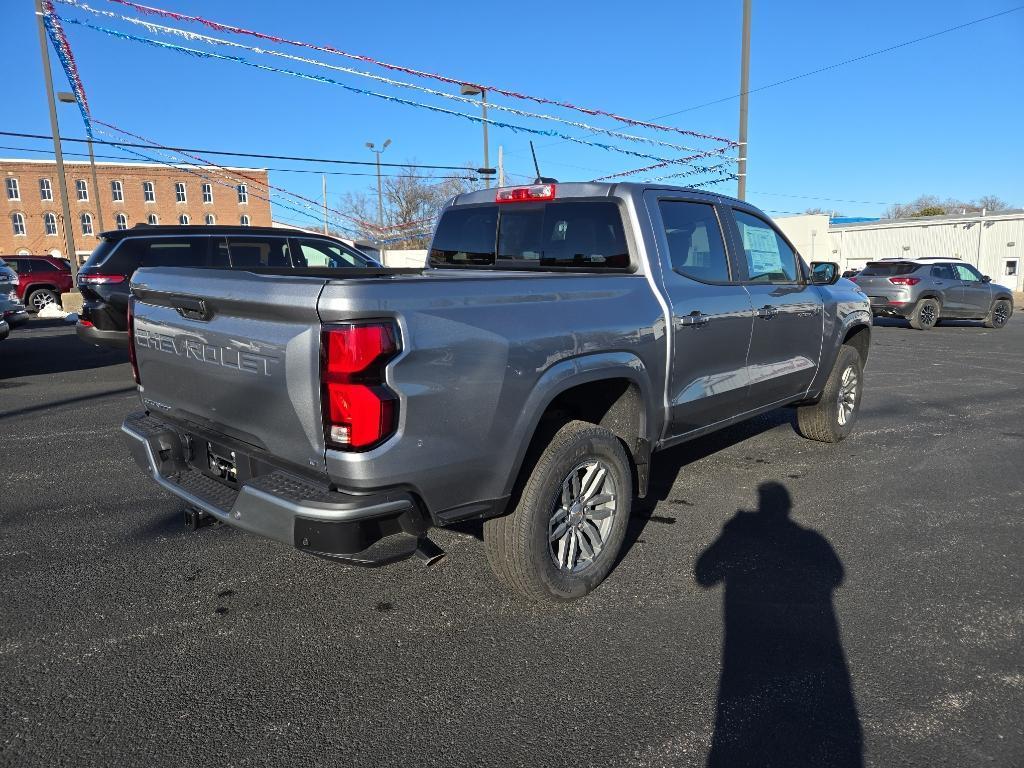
[
  {"x": 582, "y": 519},
  {"x": 847, "y": 398},
  {"x": 928, "y": 313},
  {"x": 40, "y": 299},
  {"x": 1001, "y": 313}
]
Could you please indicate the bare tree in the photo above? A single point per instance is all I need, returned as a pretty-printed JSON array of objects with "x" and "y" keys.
[
  {"x": 411, "y": 202},
  {"x": 931, "y": 205}
]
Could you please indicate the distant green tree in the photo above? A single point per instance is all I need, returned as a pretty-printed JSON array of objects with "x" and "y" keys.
[{"x": 931, "y": 210}]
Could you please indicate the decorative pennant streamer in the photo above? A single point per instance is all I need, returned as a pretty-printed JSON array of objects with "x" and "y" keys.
[
  {"x": 323, "y": 79},
  {"x": 197, "y": 37},
  {"x": 59, "y": 41},
  {"x": 151, "y": 10}
]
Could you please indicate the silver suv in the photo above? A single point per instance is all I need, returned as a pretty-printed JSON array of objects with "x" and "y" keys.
[{"x": 927, "y": 289}]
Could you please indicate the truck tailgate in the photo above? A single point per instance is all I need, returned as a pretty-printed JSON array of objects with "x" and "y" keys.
[{"x": 235, "y": 353}]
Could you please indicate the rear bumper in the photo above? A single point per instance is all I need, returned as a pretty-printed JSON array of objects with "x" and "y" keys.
[
  {"x": 883, "y": 305},
  {"x": 372, "y": 529},
  {"x": 90, "y": 334},
  {"x": 16, "y": 317}
]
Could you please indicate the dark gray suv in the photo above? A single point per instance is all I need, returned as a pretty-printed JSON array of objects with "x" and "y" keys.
[{"x": 926, "y": 290}]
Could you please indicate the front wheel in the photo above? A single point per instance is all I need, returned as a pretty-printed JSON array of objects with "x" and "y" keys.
[
  {"x": 831, "y": 419},
  {"x": 999, "y": 315},
  {"x": 564, "y": 535}
]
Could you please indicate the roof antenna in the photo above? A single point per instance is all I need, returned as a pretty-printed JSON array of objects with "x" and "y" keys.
[{"x": 540, "y": 179}]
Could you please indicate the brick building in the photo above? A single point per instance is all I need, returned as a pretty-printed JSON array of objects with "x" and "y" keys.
[{"x": 129, "y": 193}]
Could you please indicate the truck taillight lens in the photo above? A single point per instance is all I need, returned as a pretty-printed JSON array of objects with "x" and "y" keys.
[
  {"x": 904, "y": 280},
  {"x": 131, "y": 344},
  {"x": 359, "y": 410}
]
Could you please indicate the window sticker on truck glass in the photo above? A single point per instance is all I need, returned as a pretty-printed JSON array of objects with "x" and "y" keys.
[{"x": 769, "y": 259}]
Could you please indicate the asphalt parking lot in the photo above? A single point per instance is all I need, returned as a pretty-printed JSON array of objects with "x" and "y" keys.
[{"x": 881, "y": 622}]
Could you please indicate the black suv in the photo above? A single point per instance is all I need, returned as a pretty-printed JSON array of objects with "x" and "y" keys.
[{"x": 105, "y": 278}]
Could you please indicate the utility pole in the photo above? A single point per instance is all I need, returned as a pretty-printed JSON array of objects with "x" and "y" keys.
[
  {"x": 380, "y": 190},
  {"x": 324, "y": 175},
  {"x": 69, "y": 238},
  {"x": 501, "y": 166},
  {"x": 472, "y": 90},
  {"x": 744, "y": 88}
]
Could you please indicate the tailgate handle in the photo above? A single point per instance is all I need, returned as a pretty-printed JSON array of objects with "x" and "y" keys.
[{"x": 193, "y": 309}]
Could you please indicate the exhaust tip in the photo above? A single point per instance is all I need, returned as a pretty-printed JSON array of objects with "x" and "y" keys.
[{"x": 428, "y": 551}]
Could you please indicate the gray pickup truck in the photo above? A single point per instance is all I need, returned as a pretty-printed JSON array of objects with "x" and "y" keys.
[{"x": 559, "y": 334}]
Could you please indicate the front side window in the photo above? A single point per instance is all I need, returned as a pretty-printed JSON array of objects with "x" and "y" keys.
[
  {"x": 769, "y": 257},
  {"x": 244, "y": 220},
  {"x": 179, "y": 192},
  {"x": 324, "y": 254},
  {"x": 967, "y": 273},
  {"x": 45, "y": 190},
  {"x": 13, "y": 192},
  {"x": 207, "y": 193},
  {"x": 243, "y": 193},
  {"x": 210, "y": 221},
  {"x": 50, "y": 223},
  {"x": 82, "y": 189},
  {"x": 117, "y": 191},
  {"x": 122, "y": 221},
  {"x": 18, "y": 224},
  {"x": 694, "y": 237},
  {"x": 148, "y": 192},
  {"x": 152, "y": 219},
  {"x": 86, "y": 224},
  {"x": 183, "y": 219}
]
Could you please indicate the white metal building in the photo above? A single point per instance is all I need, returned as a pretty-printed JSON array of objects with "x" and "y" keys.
[{"x": 993, "y": 242}]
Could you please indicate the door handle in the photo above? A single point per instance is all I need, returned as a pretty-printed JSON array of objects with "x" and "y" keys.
[
  {"x": 193, "y": 309},
  {"x": 767, "y": 312},
  {"x": 695, "y": 318}
]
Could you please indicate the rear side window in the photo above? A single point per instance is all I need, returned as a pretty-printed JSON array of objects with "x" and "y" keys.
[
  {"x": 694, "y": 240},
  {"x": 559, "y": 235},
  {"x": 249, "y": 252},
  {"x": 943, "y": 272},
  {"x": 888, "y": 268},
  {"x": 40, "y": 265}
]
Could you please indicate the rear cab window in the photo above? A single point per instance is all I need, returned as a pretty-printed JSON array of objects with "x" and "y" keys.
[{"x": 569, "y": 235}]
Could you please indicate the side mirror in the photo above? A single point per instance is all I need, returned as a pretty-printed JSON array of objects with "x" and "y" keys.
[
  {"x": 824, "y": 272},
  {"x": 986, "y": 279}
]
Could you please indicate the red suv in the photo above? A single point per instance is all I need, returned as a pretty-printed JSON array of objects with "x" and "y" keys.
[{"x": 41, "y": 279}]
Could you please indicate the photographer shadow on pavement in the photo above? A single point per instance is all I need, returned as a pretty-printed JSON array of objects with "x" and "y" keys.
[{"x": 784, "y": 695}]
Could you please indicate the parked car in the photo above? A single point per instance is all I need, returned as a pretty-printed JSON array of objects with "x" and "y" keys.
[
  {"x": 41, "y": 279},
  {"x": 926, "y": 290},
  {"x": 12, "y": 310},
  {"x": 105, "y": 278},
  {"x": 560, "y": 334}
]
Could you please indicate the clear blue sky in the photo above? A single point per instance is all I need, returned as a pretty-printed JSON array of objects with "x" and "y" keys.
[{"x": 943, "y": 117}]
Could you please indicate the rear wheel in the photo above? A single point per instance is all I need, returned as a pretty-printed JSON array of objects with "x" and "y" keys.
[
  {"x": 999, "y": 314},
  {"x": 831, "y": 419},
  {"x": 925, "y": 315},
  {"x": 565, "y": 533},
  {"x": 40, "y": 297}
]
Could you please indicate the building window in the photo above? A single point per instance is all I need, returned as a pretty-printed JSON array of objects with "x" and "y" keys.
[
  {"x": 45, "y": 190},
  {"x": 244, "y": 221},
  {"x": 87, "y": 224},
  {"x": 122, "y": 221},
  {"x": 117, "y": 191},
  {"x": 82, "y": 189},
  {"x": 210, "y": 221},
  {"x": 18, "y": 223},
  {"x": 207, "y": 193},
  {"x": 50, "y": 222},
  {"x": 183, "y": 219},
  {"x": 13, "y": 193},
  {"x": 243, "y": 193},
  {"x": 152, "y": 219},
  {"x": 148, "y": 193},
  {"x": 179, "y": 192}
]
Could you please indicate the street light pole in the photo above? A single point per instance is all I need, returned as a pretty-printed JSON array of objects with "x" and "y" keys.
[
  {"x": 380, "y": 190},
  {"x": 69, "y": 238},
  {"x": 69, "y": 98},
  {"x": 741, "y": 183},
  {"x": 472, "y": 90}
]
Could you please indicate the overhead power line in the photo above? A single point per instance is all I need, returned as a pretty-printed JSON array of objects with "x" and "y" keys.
[
  {"x": 853, "y": 60},
  {"x": 241, "y": 154}
]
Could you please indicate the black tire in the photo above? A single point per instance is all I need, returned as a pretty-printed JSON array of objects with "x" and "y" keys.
[
  {"x": 517, "y": 544},
  {"x": 999, "y": 314},
  {"x": 40, "y": 297},
  {"x": 826, "y": 421},
  {"x": 925, "y": 315}
]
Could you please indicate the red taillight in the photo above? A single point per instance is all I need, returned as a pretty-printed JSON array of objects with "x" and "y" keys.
[
  {"x": 525, "y": 194},
  {"x": 85, "y": 323},
  {"x": 100, "y": 279},
  {"x": 359, "y": 410},
  {"x": 904, "y": 280},
  {"x": 131, "y": 345}
]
